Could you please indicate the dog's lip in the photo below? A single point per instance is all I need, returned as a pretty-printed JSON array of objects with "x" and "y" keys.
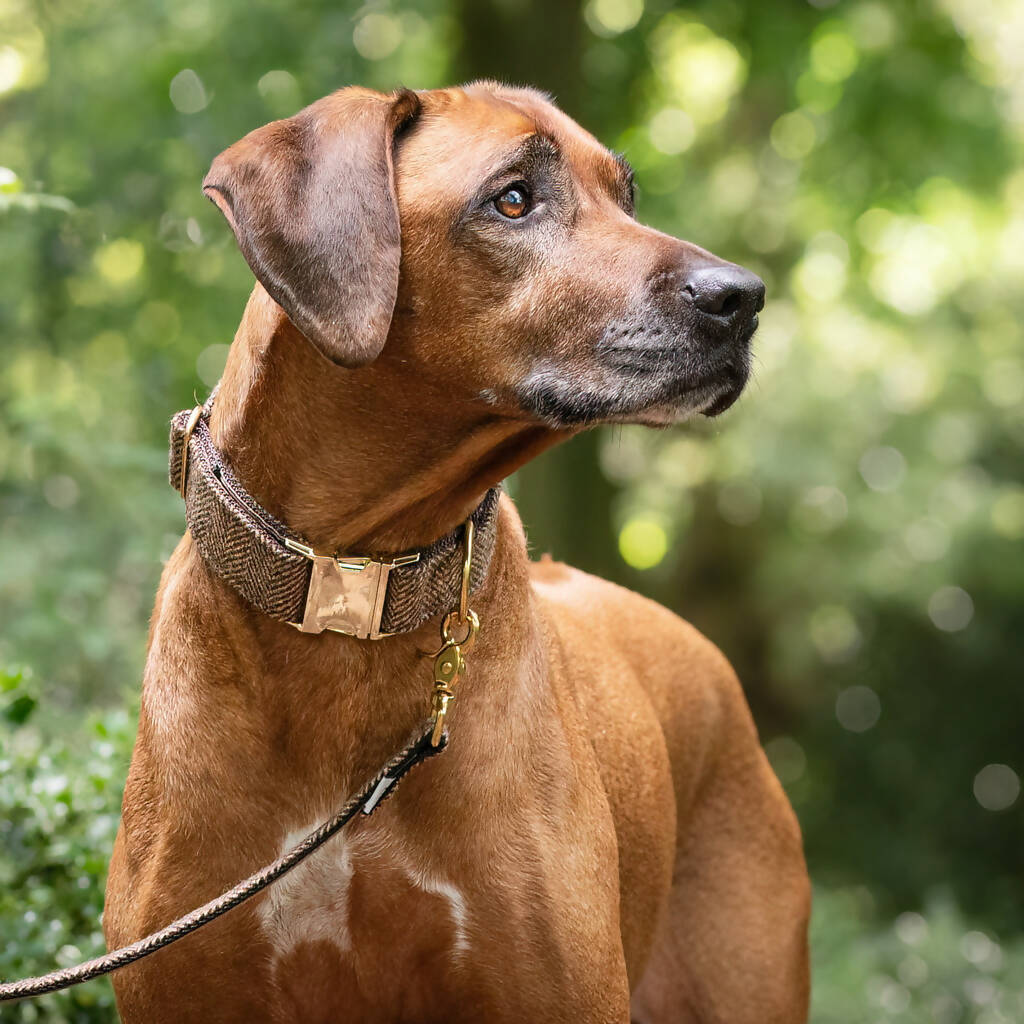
[
  {"x": 724, "y": 401},
  {"x": 731, "y": 381},
  {"x": 716, "y": 389},
  {"x": 680, "y": 345},
  {"x": 710, "y": 392}
]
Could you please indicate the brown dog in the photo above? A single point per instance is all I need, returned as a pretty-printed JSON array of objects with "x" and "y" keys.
[{"x": 603, "y": 840}]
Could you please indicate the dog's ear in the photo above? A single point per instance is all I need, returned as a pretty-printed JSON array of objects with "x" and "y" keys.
[{"x": 311, "y": 200}]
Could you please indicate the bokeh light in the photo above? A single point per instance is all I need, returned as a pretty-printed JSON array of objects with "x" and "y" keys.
[
  {"x": 188, "y": 94},
  {"x": 858, "y": 708},
  {"x": 996, "y": 787},
  {"x": 643, "y": 543}
]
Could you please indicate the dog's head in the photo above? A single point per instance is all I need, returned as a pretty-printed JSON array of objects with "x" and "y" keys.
[{"x": 484, "y": 240}]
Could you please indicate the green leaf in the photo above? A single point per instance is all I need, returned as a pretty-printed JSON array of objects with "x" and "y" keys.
[{"x": 19, "y": 710}]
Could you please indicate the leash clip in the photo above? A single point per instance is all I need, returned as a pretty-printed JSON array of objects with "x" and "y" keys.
[{"x": 449, "y": 663}]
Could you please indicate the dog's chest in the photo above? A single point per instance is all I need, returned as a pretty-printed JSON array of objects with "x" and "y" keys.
[{"x": 362, "y": 895}]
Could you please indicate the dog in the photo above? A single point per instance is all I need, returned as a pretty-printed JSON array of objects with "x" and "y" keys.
[{"x": 448, "y": 282}]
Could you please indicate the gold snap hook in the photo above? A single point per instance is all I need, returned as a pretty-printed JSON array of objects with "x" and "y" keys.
[{"x": 449, "y": 663}]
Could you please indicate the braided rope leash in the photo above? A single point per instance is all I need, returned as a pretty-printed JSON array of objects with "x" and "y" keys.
[
  {"x": 449, "y": 665},
  {"x": 367, "y": 800}
]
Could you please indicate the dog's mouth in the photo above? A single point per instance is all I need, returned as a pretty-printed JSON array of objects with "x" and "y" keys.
[
  {"x": 732, "y": 384},
  {"x": 670, "y": 390},
  {"x": 651, "y": 377},
  {"x": 730, "y": 377},
  {"x": 724, "y": 401},
  {"x": 651, "y": 398},
  {"x": 710, "y": 399}
]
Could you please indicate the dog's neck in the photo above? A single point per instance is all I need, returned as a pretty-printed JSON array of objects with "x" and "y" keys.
[{"x": 375, "y": 460}]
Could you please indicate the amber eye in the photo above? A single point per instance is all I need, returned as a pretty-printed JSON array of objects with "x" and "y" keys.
[{"x": 513, "y": 202}]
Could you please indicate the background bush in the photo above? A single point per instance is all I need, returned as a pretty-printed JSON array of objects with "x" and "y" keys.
[
  {"x": 60, "y": 797},
  {"x": 850, "y": 534}
]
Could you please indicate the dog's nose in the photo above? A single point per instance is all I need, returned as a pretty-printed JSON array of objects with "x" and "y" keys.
[{"x": 729, "y": 291}]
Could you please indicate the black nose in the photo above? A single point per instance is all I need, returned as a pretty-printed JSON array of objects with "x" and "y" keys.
[{"x": 728, "y": 291}]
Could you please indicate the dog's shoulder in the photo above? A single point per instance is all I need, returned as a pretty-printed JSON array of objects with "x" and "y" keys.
[
  {"x": 586, "y": 609},
  {"x": 609, "y": 605},
  {"x": 626, "y": 658}
]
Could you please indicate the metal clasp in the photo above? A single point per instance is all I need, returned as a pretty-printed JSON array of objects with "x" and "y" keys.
[
  {"x": 346, "y": 595},
  {"x": 449, "y": 662}
]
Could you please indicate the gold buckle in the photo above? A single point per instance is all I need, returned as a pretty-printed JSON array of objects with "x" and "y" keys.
[{"x": 346, "y": 595}]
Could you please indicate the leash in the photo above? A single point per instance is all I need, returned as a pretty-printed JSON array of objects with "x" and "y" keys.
[
  {"x": 367, "y": 801},
  {"x": 449, "y": 665}
]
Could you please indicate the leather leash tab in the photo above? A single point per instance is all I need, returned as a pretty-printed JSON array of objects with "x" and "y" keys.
[{"x": 397, "y": 770}]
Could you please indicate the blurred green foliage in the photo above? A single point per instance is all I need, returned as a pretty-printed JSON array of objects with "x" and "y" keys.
[
  {"x": 850, "y": 534},
  {"x": 59, "y": 801},
  {"x": 930, "y": 967}
]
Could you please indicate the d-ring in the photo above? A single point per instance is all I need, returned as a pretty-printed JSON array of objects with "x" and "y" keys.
[{"x": 472, "y": 624}]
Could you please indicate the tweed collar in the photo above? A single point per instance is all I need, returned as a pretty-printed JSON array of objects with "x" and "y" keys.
[{"x": 284, "y": 577}]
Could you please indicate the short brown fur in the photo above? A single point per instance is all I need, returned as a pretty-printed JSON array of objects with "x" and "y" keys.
[{"x": 619, "y": 844}]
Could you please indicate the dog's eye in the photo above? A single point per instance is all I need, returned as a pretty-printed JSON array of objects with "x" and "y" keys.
[{"x": 513, "y": 203}]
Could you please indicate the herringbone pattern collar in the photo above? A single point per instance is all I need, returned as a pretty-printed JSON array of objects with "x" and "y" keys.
[{"x": 277, "y": 572}]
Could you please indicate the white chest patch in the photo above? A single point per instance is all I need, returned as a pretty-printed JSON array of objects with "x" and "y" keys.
[{"x": 310, "y": 903}]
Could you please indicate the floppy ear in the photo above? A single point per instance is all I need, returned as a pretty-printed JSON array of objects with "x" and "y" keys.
[{"x": 311, "y": 200}]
